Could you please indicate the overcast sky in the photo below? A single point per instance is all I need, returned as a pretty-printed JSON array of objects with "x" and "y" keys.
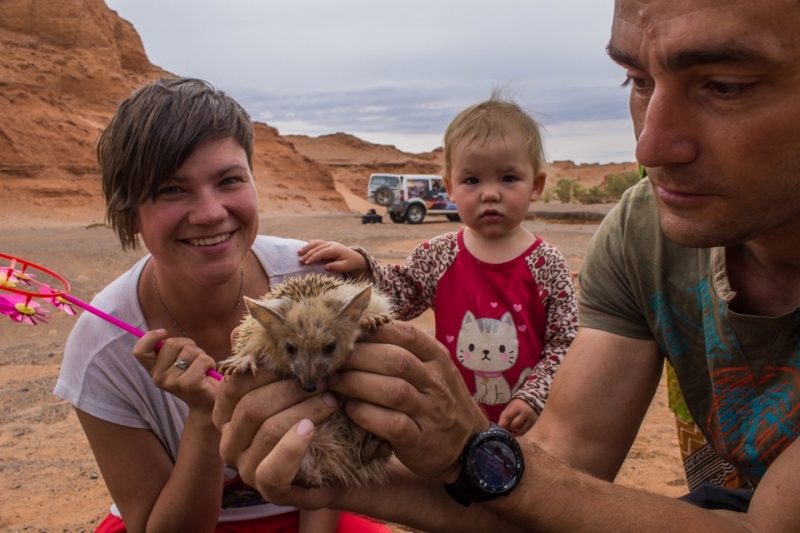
[{"x": 396, "y": 72}]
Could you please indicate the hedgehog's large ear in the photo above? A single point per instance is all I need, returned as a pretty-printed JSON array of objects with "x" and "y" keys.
[
  {"x": 265, "y": 313},
  {"x": 355, "y": 306}
]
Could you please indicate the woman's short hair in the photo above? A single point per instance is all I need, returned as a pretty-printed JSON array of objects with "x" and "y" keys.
[{"x": 153, "y": 133}]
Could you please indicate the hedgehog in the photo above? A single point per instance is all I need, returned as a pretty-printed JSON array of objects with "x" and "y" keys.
[{"x": 305, "y": 328}]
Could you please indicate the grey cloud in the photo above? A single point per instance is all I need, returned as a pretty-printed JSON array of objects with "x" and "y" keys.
[{"x": 424, "y": 110}]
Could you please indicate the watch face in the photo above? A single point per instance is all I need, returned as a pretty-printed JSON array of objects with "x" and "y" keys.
[{"x": 495, "y": 465}]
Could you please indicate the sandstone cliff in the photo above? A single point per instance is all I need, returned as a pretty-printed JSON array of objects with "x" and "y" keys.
[{"x": 64, "y": 66}]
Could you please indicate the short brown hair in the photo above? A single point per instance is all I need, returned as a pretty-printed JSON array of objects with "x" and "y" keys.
[
  {"x": 491, "y": 117},
  {"x": 153, "y": 133}
]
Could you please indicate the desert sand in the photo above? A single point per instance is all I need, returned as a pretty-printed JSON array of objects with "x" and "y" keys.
[{"x": 63, "y": 68}]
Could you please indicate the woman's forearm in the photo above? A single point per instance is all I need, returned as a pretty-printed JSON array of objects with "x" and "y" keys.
[{"x": 190, "y": 500}]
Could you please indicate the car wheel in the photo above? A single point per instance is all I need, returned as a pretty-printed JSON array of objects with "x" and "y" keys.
[
  {"x": 415, "y": 214},
  {"x": 397, "y": 219},
  {"x": 453, "y": 217},
  {"x": 384, "y": 196}
]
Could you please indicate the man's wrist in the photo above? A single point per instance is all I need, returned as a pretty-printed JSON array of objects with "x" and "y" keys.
[
  {"x": 492, "y": 465},
  {"x": 455, "y": 471}
]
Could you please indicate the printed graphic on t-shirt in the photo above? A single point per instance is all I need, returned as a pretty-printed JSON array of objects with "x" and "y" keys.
[
  {"x": 489, "y": 347},
  {"x": 750, "y": 418}
]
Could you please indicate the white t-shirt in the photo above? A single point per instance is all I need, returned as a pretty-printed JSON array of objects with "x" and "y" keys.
[{"x": 100, "y": 375}]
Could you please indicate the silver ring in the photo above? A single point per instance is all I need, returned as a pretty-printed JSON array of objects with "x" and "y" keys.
[{"x": 183, "y": 365}]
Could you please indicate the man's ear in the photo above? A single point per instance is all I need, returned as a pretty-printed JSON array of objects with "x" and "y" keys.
[{"x": 538, "y": 185}]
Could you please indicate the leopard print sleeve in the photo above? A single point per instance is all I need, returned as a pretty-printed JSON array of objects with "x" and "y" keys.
[
  {"x": 558, "y": 294},
  {"x": 412, "y": 286}
]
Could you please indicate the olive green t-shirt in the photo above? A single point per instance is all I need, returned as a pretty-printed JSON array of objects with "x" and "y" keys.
[{"x": 739, "y": 374}]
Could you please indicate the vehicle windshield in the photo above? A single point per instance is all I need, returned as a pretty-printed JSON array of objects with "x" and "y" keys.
[{"x": 380, "y": 181}]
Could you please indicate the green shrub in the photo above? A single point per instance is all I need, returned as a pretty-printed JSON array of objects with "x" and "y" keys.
[
  {"x": 564, "y": 191},
  {"x": 591, "y": 195},
  {"x": 616, "y": 184},
  {"x": 610, "y": 191}
]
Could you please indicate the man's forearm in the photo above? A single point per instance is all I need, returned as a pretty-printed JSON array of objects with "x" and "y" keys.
[{"x": 554, "y": 497}]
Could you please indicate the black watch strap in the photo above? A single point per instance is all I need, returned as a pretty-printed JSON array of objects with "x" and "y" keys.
[{"x": 456, "y": 493}]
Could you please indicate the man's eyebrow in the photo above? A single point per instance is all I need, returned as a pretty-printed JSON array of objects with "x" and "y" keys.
[
  {"x": 733, "y": 54},
  {"x": 618, "y": 56}
]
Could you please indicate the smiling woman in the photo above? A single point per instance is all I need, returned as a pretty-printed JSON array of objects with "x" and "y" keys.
[{"x": 176, "y": 168}]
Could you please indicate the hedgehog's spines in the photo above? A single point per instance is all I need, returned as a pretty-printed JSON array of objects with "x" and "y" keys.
[{"x": 309, "y": 286}]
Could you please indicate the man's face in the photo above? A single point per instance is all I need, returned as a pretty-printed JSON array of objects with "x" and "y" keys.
[{"x": 715, "y": 102}]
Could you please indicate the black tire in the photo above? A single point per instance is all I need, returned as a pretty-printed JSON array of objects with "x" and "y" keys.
[
  {"x": 384, "y": 196},
  {"x": 453, "y": 217},
  {"x": 397, "y": 219},
  {"x": 415, "y": 214}
]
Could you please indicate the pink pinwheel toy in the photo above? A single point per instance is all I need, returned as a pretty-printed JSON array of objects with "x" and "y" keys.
[{"x": 20, "y": 306}]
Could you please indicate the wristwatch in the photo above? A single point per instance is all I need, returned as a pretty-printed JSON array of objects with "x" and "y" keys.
[{"x": 491, "y": 466}]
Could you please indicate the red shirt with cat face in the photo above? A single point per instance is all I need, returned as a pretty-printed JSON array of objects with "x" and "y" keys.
[
  {"x": 491, "y": 318},
  {"x": 507, "y": 325}
]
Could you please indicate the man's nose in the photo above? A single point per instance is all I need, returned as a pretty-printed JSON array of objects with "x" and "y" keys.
[{"x": 669, "y": 128}]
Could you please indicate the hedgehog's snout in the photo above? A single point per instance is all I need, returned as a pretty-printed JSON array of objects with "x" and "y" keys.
[{"x": 309, "y": 386}]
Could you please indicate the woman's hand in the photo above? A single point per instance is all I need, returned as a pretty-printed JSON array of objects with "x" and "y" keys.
[{"x": 178, "y": 367}]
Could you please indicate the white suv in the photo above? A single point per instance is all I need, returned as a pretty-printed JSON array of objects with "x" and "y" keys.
[{"x": 409, "y": 197}]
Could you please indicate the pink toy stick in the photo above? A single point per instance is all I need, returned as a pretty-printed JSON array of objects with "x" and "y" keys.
[
  {"x": 10, "y": 273},
  {"x": 124, "y": 325},
  {"x": 105, "y": 316}
]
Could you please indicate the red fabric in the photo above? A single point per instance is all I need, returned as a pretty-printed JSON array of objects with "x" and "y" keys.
[
  {"x": 282, "y": 523},
  {"x": 497, "y": 292},
  {"x": 111, "y": 524},
  {"x": 350, "y": 523}
]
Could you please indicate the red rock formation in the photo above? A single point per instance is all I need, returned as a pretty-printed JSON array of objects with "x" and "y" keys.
[{"x": 64, "y": 66}]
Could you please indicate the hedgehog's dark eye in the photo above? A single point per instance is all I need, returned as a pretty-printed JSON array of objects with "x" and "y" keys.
[
  {"x": 329, "y": 348},
  {"x": 291, "y": 349}
]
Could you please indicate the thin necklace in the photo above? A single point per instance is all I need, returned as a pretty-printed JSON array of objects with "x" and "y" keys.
[{"x": 183, "y": 331}]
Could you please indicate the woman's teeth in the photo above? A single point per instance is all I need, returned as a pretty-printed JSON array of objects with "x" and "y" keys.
[{"x": 210, "y": 241}]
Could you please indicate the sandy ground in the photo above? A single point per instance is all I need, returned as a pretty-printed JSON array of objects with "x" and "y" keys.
[{"x": 49, "y": 481}]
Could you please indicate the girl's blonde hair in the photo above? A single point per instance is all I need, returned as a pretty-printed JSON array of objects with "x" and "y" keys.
[{"x": 490, "y": 118}]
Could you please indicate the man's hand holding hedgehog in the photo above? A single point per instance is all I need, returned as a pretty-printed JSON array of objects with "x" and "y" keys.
[{"x": 402, "y": 387}]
